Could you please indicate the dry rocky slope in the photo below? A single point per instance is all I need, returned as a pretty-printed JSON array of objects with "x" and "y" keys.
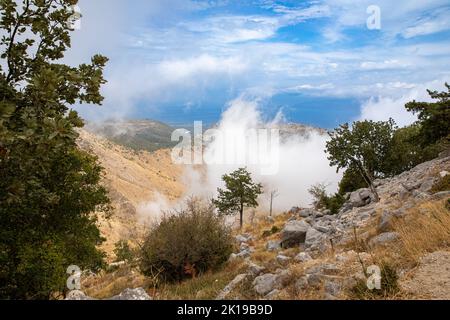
[
  {"x": 315, "y": 253},
  {"x": 132, "y": 179}
]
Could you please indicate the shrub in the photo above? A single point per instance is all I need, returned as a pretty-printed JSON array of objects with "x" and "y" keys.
[
  {"x": 123, "y": 251},
  {"x": 186, "y": 243},
  {"x": 324, "y": 201}
]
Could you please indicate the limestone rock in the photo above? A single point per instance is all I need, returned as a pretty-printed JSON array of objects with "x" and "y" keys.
[
  {"x": 231, "y": 286},
  {"x": 132, "y": 294},
  {"x": 294, "y": 233}
]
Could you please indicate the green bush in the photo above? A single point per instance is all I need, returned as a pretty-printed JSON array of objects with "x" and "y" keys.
[
  {"x": 123, "y": 252},
  {"x": 185, "y": 243},
  {"x": 324, "y": 201}
]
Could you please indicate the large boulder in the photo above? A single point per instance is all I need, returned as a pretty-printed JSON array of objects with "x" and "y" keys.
[
  {"x": 294, "y": 233},
  {"x": 360, "y": 198},
  {"x": 314, "y": 239}
]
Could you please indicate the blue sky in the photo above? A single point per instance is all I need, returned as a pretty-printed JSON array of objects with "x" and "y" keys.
[{"x": 317, "y": 61}]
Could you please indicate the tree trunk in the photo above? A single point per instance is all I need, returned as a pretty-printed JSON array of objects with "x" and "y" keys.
[
  {"x": 241, "y": 216},
  {"x": 271, "y": 202},
  {"x": 368, "y": 178}
]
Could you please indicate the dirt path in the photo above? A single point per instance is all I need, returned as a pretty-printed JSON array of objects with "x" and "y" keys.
[{"x": 431, "y": 279}]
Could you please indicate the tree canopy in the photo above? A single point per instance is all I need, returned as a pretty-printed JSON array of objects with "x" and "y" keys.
[
  {"x": 49, "y": 188},
  {"x": 240, "y": 192},
  {"x": 363, "y": 146}
]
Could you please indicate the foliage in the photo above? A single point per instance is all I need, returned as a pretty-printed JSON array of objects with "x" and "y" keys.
[
  {"x": 434, "y": 117},
  {"x": 49, "y": 188},
  {"x": 324, "y": 201},
  {"x": 405, "y": 152},
  {"x": 240, "y": 191},
  {"x": 186, "y": 243},
  {"x": 123, "y": 252},
  {"x": 364, "y": 146},
  {"x": 351, "y": 181}
]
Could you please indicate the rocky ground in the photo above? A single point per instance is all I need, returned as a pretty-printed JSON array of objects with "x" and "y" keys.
[
  {"x": 324, "y": 256},
  {"x": 310, "y": 254}
]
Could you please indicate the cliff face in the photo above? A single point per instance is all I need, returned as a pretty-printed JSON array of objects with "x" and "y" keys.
[{"x": 132, "y": 178}]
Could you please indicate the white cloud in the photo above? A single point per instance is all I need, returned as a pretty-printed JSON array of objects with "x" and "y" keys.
[
  {"x": 382, "y": 108},
  {"x": 429, "y": 25}
]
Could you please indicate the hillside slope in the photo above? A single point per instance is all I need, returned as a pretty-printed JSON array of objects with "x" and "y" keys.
[
  {"x": 132, "y": 178},
  {"x": 149, "y": 135}
]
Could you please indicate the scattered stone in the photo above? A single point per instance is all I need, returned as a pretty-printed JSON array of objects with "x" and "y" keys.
[
  {"x": 314, "y": 280},
  {"x": 78, "y": 295},
  {"x": 427, "y": 184},
  {"x": 324, "y": 269},
  {"x": 301, "y": 284},
  {"x": 264, "y": 284},
  {"x": 272, "y": 295},
  {"x": 303, "y": 257},
  {"x": 383, "y": 239},
  {"x": 243, "y": 238},
  {"x": 231, "y": 286},
  {"x": 443, "y": 174},
  {"x": 283, "y": 278},
  {"x": 273, "y": 245},
  {"x": 254, "y": 269},
  {"x": 332, "y": 287},
  {"x": 385, "y": 224},
  {"x": 282, "y": 259},
  {"x": 132, "y": 294},
  {"x": 294, "y": 233},
  {"x": 327, "y": 296}
]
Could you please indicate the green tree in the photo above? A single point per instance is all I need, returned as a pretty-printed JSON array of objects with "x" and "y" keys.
[
  {"x": 405, "y": 152},
  {"x": 49, "y": 188},
  {"x": 240, "y": 192},
  {"x": 434, "y": 117},
  {"x": 351, "y": 181},
  {"x": 364, "y": 146}
]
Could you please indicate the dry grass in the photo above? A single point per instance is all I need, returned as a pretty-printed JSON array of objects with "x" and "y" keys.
[
  {"x": 106, "y": 285},
  {"x": 427, "y": 229},
  {"x": 204, "y": 287}
]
